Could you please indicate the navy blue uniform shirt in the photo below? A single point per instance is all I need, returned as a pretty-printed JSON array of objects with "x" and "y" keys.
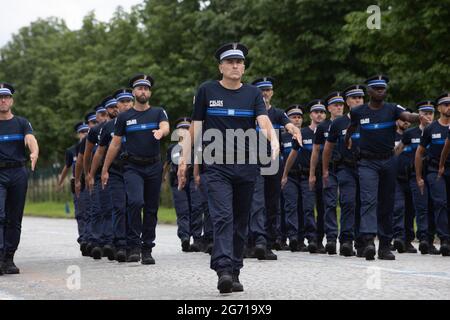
[
  {"x": 411, "y": 140},
  {"x": 286, "y": 147},
  {"x": 81, "y": 147},
  {"x": 223, "y": 109},
  {"x": 377, "y": 127},
  {"x": 321, "y": 136},
  {"x": 304, "y": 156},
  {"x": 71, "y": 158},
  {"x": 338, "y": 130},
  {"x": 433, "y": 138},
  {"x": 137, "y": 128},
  {"x": 12, "y": 139},
  {"x": 404, "y": 158}
]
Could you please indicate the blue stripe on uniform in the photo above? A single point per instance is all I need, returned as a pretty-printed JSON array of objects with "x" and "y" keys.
[
  {"x": 356, "y": 136},
  {"x": 231, "y": 112},
  {"x": 438, "y": 141},
  {"x": 377, "y": 126},
  {"x": 143, "y": 127},
  {"x": 11, "y": 137}
]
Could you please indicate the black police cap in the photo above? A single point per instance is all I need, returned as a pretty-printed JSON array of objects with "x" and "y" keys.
[
  {"x": 141, "y": 79},
  {"x": 233, "y": 50},
  {"x": 443, "y": 98},
  {"x": 6, "y": 89},
  {"x": 264, "y": 82},
  {"x": 356, "y": 90},
  {"x": 294, "y": 109}
]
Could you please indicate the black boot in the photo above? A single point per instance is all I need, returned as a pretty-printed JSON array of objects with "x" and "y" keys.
[
  {"x": 196, "y": 246},
  {"x": 399, "y": 245},
  {"x": 225, "y": 283},
  {"x": 270, "y": 255},
  {"x": 302, "y": 246},
  {"x": 346, "y": 249},
  {"x": 384, "y": 252},
  {"x": 321, "y": 248},
  {"x": 330, "y": 248},
  {"x": 434, "y": 251},
  {"x": 209, "y": 247},
  {"x": 83, "y": 249},
  {"x": 277, "y": 245},
  {"x": 312, "y": 246},
  {"x": 237, "y": 285},
  {"x": 424, "y": 247},
  {"x": 8, "y": 265},
  {"x": 445, "y": 248},
  {"x": 185, "y": 245},
  {"x": 410, "y": 248},
  {"x": 89, "y": 248},
  {"x": 97, "y": 253},
  {"x": 284, "y": 246},
  {"x": 122, "y": 255},
  {"x": 260, "y": 252},
  {"x": 147, "y": 258},
  {"x": 135, "y": 255},
  {"x": 369, "y": 249},
  {"x": 109, "y": 252},
  {"x": 293, "y": 244}
]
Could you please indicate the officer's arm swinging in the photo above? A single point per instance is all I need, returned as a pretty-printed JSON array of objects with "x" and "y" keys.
[
  {"x": 164, "y": 130},
  {"x": 444, "y": 156},
  {"x": 189, "y": 137},
  {"x": 32, "y": 144},
  {"x": 410, "y": 117},
  {"x": 418, "y": 163},
  {"x": 288, "y": 166},
  {"x": 78, "y": 172},
  {"x": 63, "y": 175},
  {"x": 326, "y": 158},
  {"x": 99, "y": 154},
  {"x": 113, "y": 151},
  {"x": 88, "y": 157},
  {"x": 269, "y": 132},
  {"x": 350, "y": 131},
  {"x": 313, "y": 165},
  {"x": 399, "y": 148},
  {"x": 295, "y": 132}
]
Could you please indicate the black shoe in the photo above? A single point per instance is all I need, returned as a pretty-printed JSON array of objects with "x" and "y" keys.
[
  {"x": 237, "y": 285},
  {"x": 251, "y": 253},
  {"x": 260, "y": 252},
  {"x": 434, "y": 251},
  {"x": 410, "y": 248},
  {"x": 89, "y": 248},
  {"x": 392, "y": 247},
  {"x": 385, "y": 254},
  {"x": 346, "y": 249},
  {"x": 196, "y": 246},
  {"x": 277, "y": 245},
  {"x": 321, "y": 248},
  {"x": 209, "y": 248},
  {"x": 399, "y": 245},
  {"x": 97, "y": 253},
  {"x": 270, "y": 255},
  {"x": 109, "y": 252},
  {"x": 302, "y": 247},
  {"x": 147, "y": 258},
  {"x": 445, "y": 248},
  {"x": 225, "y": 284},
  {"x": 285, "y": 247},
  {"x": 122, "y": 255},
  {"x": 135, "y": 255},
  {"x": 293, "y": 244},
  {"x": 369, "y": 251},
  {"x": 424, "y": 247},
  {"x": 185, "y": 245},
  {"x": 330, "y": 248},
  {"x": 8, "y": 266},
  {"x": 312, "y": 247}
]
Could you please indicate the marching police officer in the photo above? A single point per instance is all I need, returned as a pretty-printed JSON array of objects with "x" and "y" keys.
[
  {"x": 408, "y": 146},
  {"x": 265, "y": 211},
  {"x": 310, "y": 197},
  {"x": 116, "y": 186},
  {"x": 143, "y": 127},
  {"x": 438, "y": 177},
  {"x": 81, "y": 129},
  {"x": 377, "y": 170},
  {"x": 335, "y": 105},
  {"x": 344, "y": 165},
  {"x": 16, "y": 134},
  {"x": 222, "y": 106}
]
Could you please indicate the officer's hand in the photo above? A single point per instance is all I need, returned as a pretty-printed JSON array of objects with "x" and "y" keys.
[
  {"x": 349, "y": 144},
  {"x": 275, "y": 147},
  {"x": 325, "y": 176},
  {"x": 197, "y": 181},
  {"x": 105, "y": 178},
  {"x": 298, "y": 136},
  {"x": 284, "y": 181},
  {"x": 312, "y": 182},
  {"x": 77, "y": 188},
  {"x": 182, "y": 170},
  {"x": 90, "y": 183},
  {"x": 158, "y": 134},
  {"x": 441, "y": 172},
  {"x": 34, "y": 158},
  {"x": 421, "y": 185}
]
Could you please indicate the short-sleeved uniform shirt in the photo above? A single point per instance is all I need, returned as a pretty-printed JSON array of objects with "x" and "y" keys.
[
  {"x": 137, "y": 128},
  {"x": 377, "y": 127},
  {"x": 338, "y": 130},
  {"x": 433, "y": 138},
  {"x": 81, "y": 147},
  {"x": 12, "y": 139},
  {"x": 322, "y": 134},
  {"x": 404, "y": 158},
  {"x": 94, "y": 135},
  {"x": 71, "y": 158},
  {"x": 304, "y": 156},
  {"x": 411, "y": 141},
  {"x": 221, "y": 109},
  {"x": 279, "y": 120}
]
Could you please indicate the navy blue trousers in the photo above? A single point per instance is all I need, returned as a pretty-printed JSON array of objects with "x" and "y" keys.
[
  {"x": 257, "y": 220},
  {"x": 439, "y": 192},
  {"x": 403, "y": 217},
  {"x": 377, "y": 183},
  {"x": 83, "y": 216},
  {"x": 199, "y": 209},
  {"x": 330, "y": 198},
  {"x": 102, "y": 228},
  {"x": 182, "y": 210},
  {"x": 118, "y": 194},
  {"x": 230, "y": 193},
  {"x": 13, "y": 190},
  {"x": 143, "y": 187},
  {"x": 422, "y": 213},
  {"x": 349, "y": 199}
]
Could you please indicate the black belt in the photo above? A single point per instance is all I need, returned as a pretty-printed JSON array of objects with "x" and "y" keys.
[
  {"x": 347, "y": 163},
  {"x": 11, "y": 165},
  {"x": 143, "y": 161},
  {"x": 376, "y": 156},
  {"x": 117, "y": 165}
]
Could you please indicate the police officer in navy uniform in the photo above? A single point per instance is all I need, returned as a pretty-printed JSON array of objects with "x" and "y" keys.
[
  {"x": 293, "y": 210},
  {"x": 433, "y": 140},
  {"x": 16, "y": 134},
  {"x": 408, "y": 146},
  {"x": 345, "y": 167},
  {"x": 143, "y": 127},
  {"x": 220, "y": 106},
  {"x": 403, "y": 216},
  {"x": 377, "y": 170},
  {"x": 81, "y": 130},
  {"x": 335, "y": 105},
  {"x": 265, "y": 211},
  {"x": 117, "y": 225},
  {"x": 301, "y": 155}
]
